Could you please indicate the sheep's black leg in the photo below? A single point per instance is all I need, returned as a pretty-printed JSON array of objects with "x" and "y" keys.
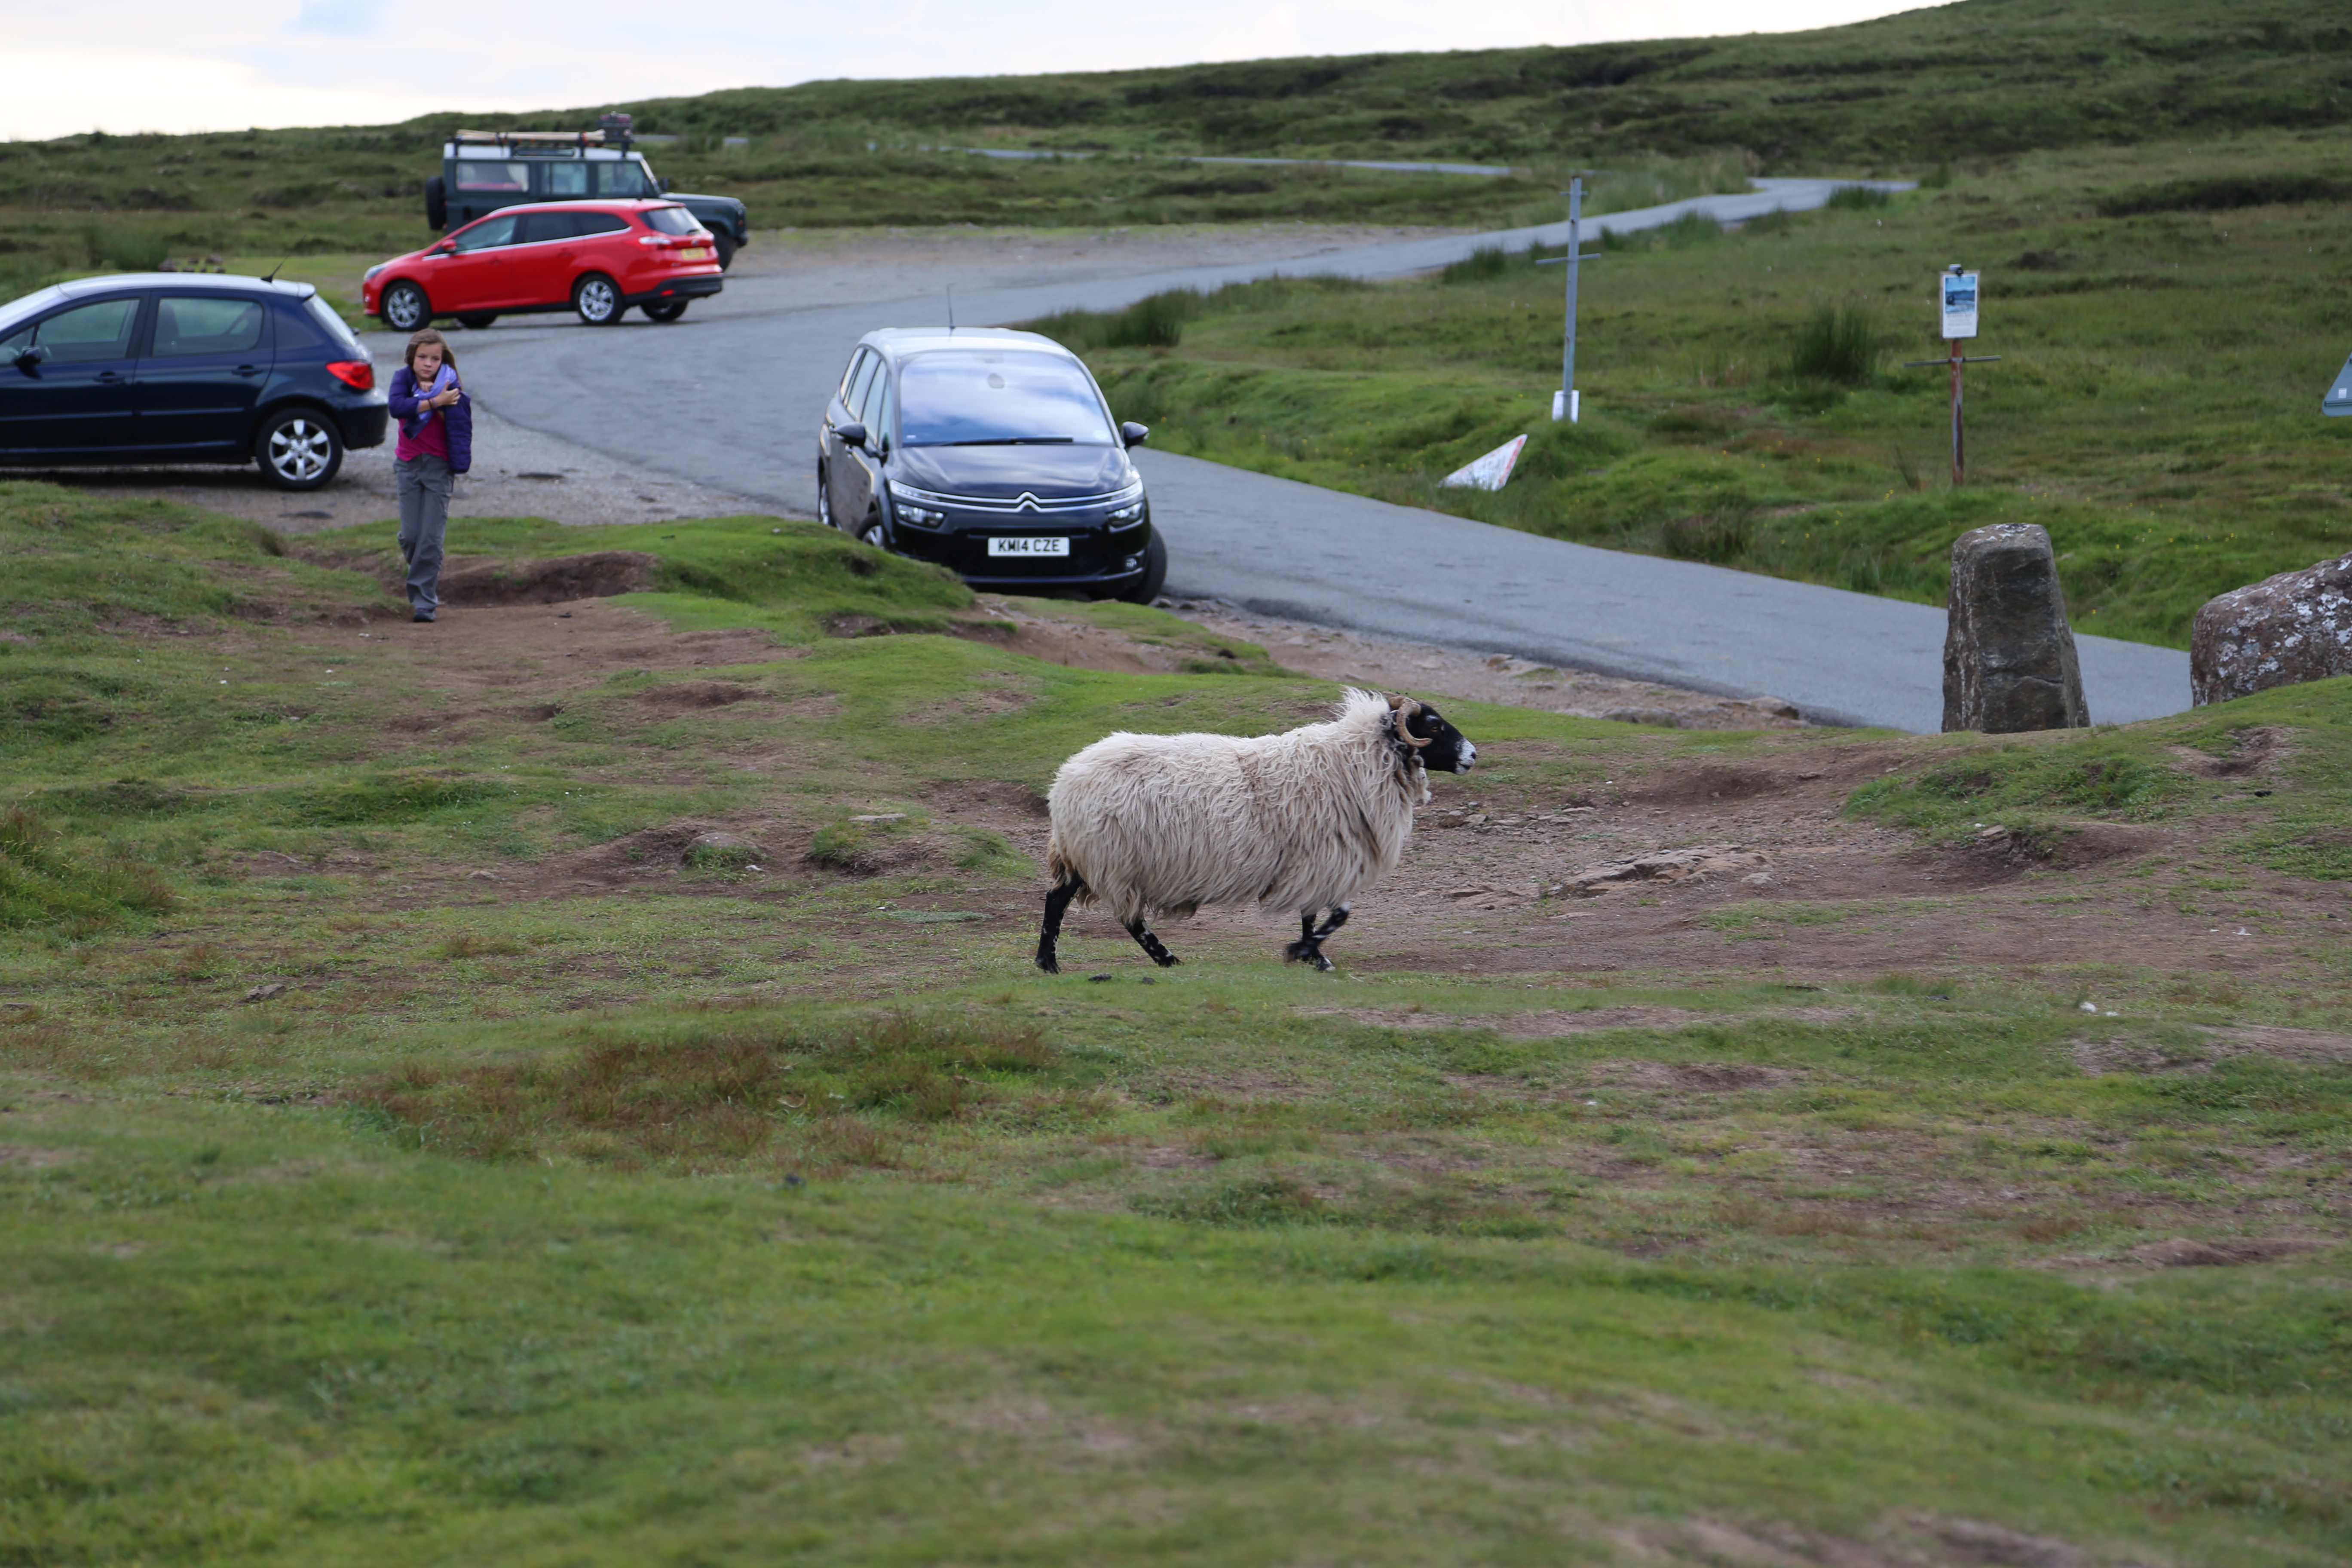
[
  {"x": 1309, "y": 948},
  {"x": 1057, "y": 900},
  {"x": 1151, "y": 945}
]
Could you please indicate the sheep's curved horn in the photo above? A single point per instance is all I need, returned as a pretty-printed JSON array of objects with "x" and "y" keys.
[{"x": 1404, "y": 708}]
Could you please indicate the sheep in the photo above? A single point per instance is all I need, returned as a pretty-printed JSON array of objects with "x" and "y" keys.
[{"x": 1303, "y": 820}]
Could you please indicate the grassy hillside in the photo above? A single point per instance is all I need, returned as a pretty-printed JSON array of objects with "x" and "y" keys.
[
  {"x": 2168, "y": 319},
  {"x": 1974, "y": 79},
  {"x": 421, "y": 1140},
  {"x": 1960, "y": 84}
]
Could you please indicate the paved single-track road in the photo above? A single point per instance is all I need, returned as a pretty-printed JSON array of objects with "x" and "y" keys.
[{"x": 732, "y": 397}]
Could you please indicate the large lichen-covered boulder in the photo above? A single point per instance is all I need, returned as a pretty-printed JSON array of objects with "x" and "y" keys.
[
  {"x": 2283, "y": 631},
  {"x": 2008, "y": 649}
]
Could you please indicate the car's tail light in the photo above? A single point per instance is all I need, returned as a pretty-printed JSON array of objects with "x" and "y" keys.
[{"x": 359, "y": 374}]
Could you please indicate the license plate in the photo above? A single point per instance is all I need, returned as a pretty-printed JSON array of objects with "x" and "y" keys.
[
  {"x": 699, "y": 253},
  {"x": 1028, "y": 547}
]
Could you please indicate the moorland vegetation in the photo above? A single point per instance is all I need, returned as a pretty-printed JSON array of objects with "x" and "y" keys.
[
  {"x": 588, "y": 1100},
  {"x": 2167, "y": 319},
  {"x": 574, "y": 1091},
  {"x": 1961, "y": 85}
]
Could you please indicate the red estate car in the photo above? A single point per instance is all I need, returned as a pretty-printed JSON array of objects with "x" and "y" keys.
[{"x": 595, "y": 257}]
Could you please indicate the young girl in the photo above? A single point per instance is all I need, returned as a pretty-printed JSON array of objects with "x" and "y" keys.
[{"x": 436, "y": 443}]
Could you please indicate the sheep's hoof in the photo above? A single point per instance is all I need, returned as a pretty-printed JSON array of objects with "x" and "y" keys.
[
  {"x": 1045, "y": 961},
  {"x": 1308, "y": 953}
]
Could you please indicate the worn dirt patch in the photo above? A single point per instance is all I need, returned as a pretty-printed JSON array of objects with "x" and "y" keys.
[
  {"x": 29, "y": 1157},
  {"x": 2227, "y": 1252},
  {"x": 2132, "y": 1054},
  {"x": 543, "y": 652},
  {"x": 689, "y": 695},
  {"x": 1555, "y": 1024},
  {"x": 599, "y": 575},
  {"x": 1386, "y": 664}
]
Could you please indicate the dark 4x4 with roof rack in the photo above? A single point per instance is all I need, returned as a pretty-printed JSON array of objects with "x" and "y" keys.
[{"x": 483, "y": 170}]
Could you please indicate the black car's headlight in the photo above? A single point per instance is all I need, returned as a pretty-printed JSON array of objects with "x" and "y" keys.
[
  {"x": 921, "y": 516},
  {"x": 1127, "y": 516}
]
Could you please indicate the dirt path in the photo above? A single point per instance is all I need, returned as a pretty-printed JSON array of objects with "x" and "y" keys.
[{"x": 1701, "y": 869}]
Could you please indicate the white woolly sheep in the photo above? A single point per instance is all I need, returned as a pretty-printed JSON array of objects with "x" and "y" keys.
[{"x": 1305, "y": 819}]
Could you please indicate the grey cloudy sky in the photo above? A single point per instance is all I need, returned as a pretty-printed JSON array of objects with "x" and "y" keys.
[{"x": 165, "y": 65}]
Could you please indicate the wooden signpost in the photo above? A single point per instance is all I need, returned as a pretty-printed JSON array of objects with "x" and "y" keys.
[{"x": 1960, "y": 296}]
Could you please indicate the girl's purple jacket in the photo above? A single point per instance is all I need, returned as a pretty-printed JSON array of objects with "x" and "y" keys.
[{"x": 460, "y": 415}]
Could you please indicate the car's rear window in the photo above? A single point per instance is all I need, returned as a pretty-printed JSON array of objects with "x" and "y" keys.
[
  {"x": 672, "y": 220},
  {"x": 336, "y": 330},
  {"x": 210, "y": 324},
  {"x": 999, "y": 396}
]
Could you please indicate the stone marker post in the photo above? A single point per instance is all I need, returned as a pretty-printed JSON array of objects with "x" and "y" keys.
[
  {"x": 2009, "y": 652},
  {"x": 2284, "y": 630}
]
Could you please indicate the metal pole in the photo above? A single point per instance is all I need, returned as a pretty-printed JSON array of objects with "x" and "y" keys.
[
  {"x": 1575, "y": 254},
  {"x": 1959, "y": 452}
]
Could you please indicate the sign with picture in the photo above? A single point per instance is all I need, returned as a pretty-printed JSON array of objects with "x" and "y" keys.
[{"x": 1960, "y": 304}]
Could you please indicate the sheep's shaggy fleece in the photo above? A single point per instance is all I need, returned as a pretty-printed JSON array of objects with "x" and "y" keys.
[{"x": 1303, "y": 820}]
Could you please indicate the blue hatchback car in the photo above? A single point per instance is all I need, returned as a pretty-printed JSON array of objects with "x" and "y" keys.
[{"x": 165, "y": 367}]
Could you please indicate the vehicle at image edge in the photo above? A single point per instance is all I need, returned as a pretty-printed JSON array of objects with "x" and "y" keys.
[
  {"x": 992, "y": 453},
  {"x": 595, "y": 257},
  {"x": 483, "y": 172},
  {"x": 169, "y": 367}
]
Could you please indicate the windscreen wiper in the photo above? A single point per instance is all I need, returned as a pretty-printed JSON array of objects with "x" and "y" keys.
[{"x": 1018, "y": 441}]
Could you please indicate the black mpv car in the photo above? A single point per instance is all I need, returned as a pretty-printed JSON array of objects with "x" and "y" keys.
[
  {"x": 992, "y": 453},
  {"x": 168, "y": 367}
]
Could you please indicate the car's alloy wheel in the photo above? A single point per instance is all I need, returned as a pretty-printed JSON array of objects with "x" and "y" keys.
[
  {"x": 666, "y": 310},
  {"x": 405, "y": 307},
  {"x": 298, "y": 450},
  {"x": 874, "y": 534},
  {"x": 824, "y": 499},
  {"x": 598, "y": 300}
]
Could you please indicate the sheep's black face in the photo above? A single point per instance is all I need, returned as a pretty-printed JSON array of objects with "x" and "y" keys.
[{"x": 1449, "y": 750}]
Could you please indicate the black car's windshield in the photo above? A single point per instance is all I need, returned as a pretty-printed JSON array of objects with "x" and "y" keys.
[{"x": 998, "y": 397}]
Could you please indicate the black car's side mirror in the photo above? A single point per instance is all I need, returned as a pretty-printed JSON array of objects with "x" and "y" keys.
[
  {"x": 852, "y": 434},
  {"x": 30, "y": 359},
  {"x": 662, "y": 180},
  {"x": 1134, "y": 434}
]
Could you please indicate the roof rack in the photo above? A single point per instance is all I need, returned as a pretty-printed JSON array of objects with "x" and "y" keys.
[{"x": 612, "y": 130}]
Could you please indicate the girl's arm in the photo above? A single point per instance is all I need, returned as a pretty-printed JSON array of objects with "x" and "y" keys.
[{"x": 401, "y": 393}]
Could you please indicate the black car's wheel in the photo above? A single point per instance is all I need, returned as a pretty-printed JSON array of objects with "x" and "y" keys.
[
  {"x": 823, "y": 500},
  {"x": 298, "y": 449},
  {"x": 436, "y": 204},
  {"x": 725, "y": 244},
  {"x": 405, "y": 307},
  {"x": 664, "y": 311},
  {"x": 875, "y": 532},
  {"x": 1155, "y": 575},
  {"x": 598, "y": 300},
  {"x": 476, "y": 323}
]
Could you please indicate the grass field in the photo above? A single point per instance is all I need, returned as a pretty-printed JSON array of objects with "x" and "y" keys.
[
  {"x": 379, "y": 1186},
  {"x": 2167, "y": 317}
]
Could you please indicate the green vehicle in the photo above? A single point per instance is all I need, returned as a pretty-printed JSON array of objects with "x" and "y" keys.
[{"x": 482, "y": 171}]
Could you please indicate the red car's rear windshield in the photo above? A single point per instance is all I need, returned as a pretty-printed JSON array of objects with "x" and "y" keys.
[{"x": 671, "y": 220}]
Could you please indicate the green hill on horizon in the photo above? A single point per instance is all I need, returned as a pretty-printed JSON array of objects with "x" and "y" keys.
[
  {"x": 1972, "y": 78},
  {"x": 1970, "y": 85}
]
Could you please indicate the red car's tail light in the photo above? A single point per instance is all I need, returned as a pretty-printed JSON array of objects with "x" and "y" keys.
[{"x": 359, "y": 374}]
